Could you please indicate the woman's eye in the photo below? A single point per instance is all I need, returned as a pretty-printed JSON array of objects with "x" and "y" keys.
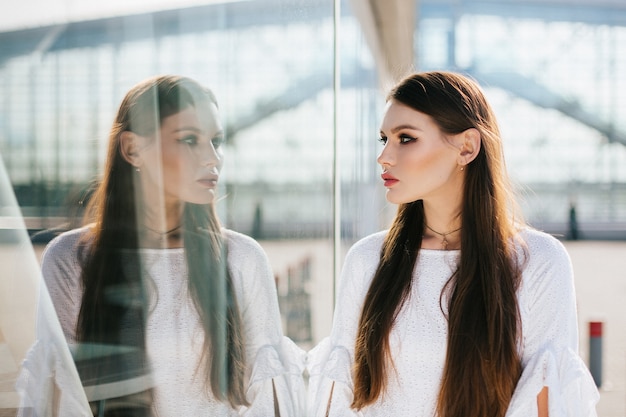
[
  {"x": 406, "y": 139},
  {"x": 190, "y": 140},
  {"x": 217, "y": 141},
  {"x": 383, "y": 140}
]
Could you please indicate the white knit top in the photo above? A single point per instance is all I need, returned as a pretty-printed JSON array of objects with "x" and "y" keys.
[
  {"x": 418, "y": 339},
  {"x": 174, "y": 334}
]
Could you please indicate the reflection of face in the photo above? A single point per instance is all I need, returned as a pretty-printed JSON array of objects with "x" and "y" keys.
[
  {"x": 418, "y": 161},
  {"x": 189, "y": 156}
]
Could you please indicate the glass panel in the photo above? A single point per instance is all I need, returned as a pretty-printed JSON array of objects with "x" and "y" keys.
[
  {"x": 62, "y": 85},
  {"x": 66, "y": 66}
]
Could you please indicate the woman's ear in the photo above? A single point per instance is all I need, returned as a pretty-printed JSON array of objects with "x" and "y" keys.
[
  {"x": 129, "y": 148},
  {"x": 469, "y": 145}
]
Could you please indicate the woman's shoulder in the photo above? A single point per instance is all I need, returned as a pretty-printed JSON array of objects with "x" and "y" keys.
[
  {"x": 62, "y": 259},
  {"x": 540, "y": 245},
  {"x": 67, "y": 242},
  {"x": 239, "y": 243},
  {"x": 249, "y": 266},
  {"x": 545, "y": 260},
  {"x": 364, "y": 255},
  {"x": 243, "y": 250},
  {"x": 538, "y": 239},
  {"x": 369, "y": 244}
]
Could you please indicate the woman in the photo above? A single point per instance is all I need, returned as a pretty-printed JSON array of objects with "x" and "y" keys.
[
  {"x": 153, "y": 271},
  {"x": 459, "y": 310}
]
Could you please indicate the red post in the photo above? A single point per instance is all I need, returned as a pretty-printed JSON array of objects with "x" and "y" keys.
[{"x": 595, "y": 351}]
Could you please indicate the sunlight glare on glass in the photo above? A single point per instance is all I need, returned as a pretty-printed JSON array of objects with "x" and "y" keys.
[
  {"x": 33, "y": 13},
  {"x": 29, "y": 328}
]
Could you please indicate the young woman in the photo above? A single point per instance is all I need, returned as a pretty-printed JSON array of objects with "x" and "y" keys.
[
  {"x": 153, "y": 272},
  {"x": 459, "y": 310}
]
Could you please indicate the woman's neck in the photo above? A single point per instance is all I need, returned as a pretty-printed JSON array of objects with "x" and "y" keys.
[
  {"x": 442, "y": 227},
  {"x": 162, "y": 228}
]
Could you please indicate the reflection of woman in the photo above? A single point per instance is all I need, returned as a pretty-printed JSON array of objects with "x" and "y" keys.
[
  {"x": 458, "y": 310},
  {"x": 155, "y": 271}
]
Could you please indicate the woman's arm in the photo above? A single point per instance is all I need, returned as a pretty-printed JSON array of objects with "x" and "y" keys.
[
  {"x": 554, "y": 378},
  {"x": 270, "y": 358},
  {"x": 61, "y": 271},
  {"x": 331, "y": 385},
  {"x": 542, "y": 403}
]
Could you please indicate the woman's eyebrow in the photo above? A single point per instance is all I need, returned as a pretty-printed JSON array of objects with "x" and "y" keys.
[
  {"x": 183, "y": 128},
  {"x": 404, "y": 126}
]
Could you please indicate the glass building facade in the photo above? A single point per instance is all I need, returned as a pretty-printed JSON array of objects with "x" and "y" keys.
[
  {"x": 301, "y": 100},
  {"x": 553, "y": 77},
  {"x": 554, "y": 83}
]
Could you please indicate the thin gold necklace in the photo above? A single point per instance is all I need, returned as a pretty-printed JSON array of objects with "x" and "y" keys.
[
  {"x": 444, "y": 241},
  {"x": 167, "y": 232}
]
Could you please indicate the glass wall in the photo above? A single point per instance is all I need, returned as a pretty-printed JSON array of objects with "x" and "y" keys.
[
  {"x": 554, "y": 82},
  {"x": 272, "y": 67}
]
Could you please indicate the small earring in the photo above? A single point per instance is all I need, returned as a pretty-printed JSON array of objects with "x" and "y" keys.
[
  {"x": 137, "y": 169},
  {"x": 462, "y": 168}
]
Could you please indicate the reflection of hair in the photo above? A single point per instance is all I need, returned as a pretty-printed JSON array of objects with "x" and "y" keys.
[
  {"x": 113, "y": 260},
  {"x": 482, "y": 364}
]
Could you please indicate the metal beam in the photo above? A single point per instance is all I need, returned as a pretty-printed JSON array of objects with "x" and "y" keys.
[
  {"x": 273, "y": 12},
  {"x": 541, "y": 96},
  {"x": 593, "y": 12},
  {"x": 205, "y": 18},
  {"x": 299, "y": 92}
]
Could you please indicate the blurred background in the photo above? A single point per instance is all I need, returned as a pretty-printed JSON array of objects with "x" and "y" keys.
[{"x": 301, "y": 87}]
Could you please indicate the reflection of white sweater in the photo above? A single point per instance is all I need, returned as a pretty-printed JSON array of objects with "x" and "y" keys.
[
  {"x": 174, "y": 334},
  {"x": 418, "y": 339}
]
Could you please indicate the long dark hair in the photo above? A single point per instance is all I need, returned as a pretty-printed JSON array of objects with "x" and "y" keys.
[
  {"x": 482, "y": 364},
  {"x": 112, "y": 261}
]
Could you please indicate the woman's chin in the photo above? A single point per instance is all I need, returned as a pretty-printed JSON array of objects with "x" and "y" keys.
[{"x": 202, "y": 197}]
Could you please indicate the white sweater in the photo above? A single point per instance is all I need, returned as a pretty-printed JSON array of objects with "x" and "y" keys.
[
  {"x": 174, "y": 334},
  {"x": 549, "y": 349}
]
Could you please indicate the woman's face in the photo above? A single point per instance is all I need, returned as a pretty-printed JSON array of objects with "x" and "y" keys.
[
  {"x": 185, "y": 162},
  {"x": 418, "y": 161}
]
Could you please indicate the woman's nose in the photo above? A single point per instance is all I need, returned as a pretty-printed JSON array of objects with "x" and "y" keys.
[
  {"x": 385, "y": 157},
  {"x": 208, "y": 155}
]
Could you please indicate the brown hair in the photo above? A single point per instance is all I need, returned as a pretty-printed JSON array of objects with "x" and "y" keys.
[
  {"x": 482, "y": 364},
  {"x": 112, "y": 261}
]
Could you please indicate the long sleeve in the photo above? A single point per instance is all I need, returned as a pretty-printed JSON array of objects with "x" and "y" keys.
[
  {"x": 275, "y": 362},
  {"x": 61, "y": 271},
  {"x": 550, "y": 335},
  {"x": 330, "y": 363},
  {"x": 49, "y": 369}
]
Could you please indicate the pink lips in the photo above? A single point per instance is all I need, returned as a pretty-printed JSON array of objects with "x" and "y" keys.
[
  {"x": 208, "y": 182},
  {"x": 388, "y": 179}
]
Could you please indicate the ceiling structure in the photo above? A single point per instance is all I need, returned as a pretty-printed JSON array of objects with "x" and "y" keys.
[{"x": 389, "y": 27}]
